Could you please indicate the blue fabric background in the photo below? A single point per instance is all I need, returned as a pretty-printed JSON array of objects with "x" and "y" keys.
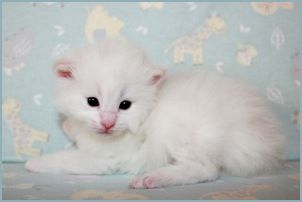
[{"x": 34, "y": 34}]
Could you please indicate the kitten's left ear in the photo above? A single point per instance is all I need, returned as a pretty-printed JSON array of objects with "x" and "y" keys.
[
  {"x": 64, "y": 68},
  {"x": 157, "y": 75}
]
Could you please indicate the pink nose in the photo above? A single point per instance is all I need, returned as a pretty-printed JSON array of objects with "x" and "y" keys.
[
  {"x": 108, "y": 120},
  {"x": 107, "y": 125}
]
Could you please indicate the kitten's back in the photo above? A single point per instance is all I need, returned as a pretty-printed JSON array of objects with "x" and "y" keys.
[{"x": 224, "y": 117}]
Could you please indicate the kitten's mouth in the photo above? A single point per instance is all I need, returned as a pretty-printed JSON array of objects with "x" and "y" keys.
[{"x": 104, "y": 132}]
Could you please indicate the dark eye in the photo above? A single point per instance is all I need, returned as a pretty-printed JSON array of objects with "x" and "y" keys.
[
  {"x": 93, "y": 102},
  {"x": 125, "y": 105}
]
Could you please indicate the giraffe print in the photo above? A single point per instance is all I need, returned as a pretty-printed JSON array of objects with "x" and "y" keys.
[
  {"x": 269, "y": 8},
  {"x": 99, "y": 18},
  {"x": 193, "y": 44},
  {"x": 24, "y": 135},
  {"x": 246, "y": 54}
]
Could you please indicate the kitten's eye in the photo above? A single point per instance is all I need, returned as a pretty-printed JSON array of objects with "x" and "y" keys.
[
  {"x": 125, "y": 105},
  {"x": 93, "y": 102}
]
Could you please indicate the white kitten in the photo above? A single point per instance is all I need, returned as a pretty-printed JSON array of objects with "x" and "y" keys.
[{"x": 125, "y": 115}]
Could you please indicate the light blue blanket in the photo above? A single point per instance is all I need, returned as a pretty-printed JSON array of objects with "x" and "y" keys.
[
  {"x": 259, "y": 43},
  {"x": 20, "y": 184}
]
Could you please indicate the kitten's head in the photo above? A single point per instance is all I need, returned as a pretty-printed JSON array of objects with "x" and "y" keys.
[{"x": 110, "y": 87}]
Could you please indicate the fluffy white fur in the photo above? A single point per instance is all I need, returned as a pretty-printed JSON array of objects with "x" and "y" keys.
[{"x": 181, "y": 128}]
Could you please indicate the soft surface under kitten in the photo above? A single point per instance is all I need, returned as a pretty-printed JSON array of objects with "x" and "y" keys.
[{"x": 127, "y": 115}]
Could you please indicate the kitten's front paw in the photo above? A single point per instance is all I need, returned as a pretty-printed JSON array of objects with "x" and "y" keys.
[
  {"x": 146, "y": 182},
  {"x": 39, "y": 165},
  {"x": 33, "y": 165}
]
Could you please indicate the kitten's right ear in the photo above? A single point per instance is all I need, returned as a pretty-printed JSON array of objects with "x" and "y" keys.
[{"x": 64, "y": 68}]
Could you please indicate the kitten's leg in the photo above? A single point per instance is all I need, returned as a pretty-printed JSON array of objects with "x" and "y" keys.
[
  {"x": 178, "y": 174},
  {"x": 69, "y": 161}
]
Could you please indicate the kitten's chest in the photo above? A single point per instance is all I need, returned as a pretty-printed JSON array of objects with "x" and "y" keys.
[{"x": 123, "y": 148}]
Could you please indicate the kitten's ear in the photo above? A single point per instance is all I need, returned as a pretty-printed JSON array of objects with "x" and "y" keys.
[
  {"x": 157, "y": 75},
  {"x": 63, "y": 68}
]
